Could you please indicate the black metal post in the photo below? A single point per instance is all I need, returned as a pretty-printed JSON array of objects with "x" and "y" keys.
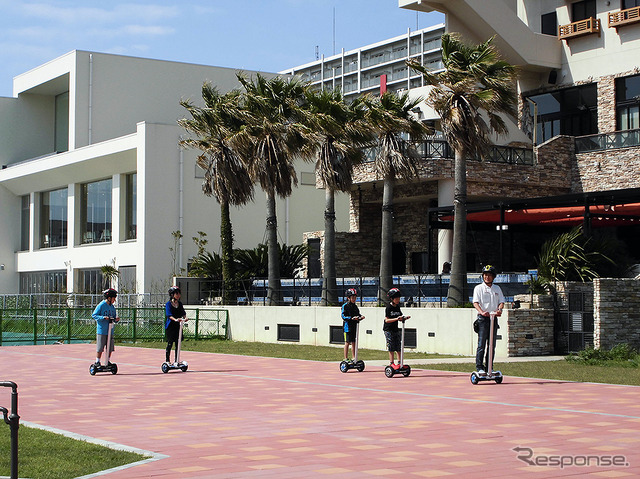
[{"x": 13, "y": 420}]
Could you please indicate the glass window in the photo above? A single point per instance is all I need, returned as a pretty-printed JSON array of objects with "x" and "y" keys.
[
  {"x": 25, "y": 230},
  {"x": 62, "y": 122},
  {"x": 131, "y": 226},
  {"x": 43, "y": 282},
  {"x": 127, "y": 280},
  {"x": 95, "y": 212},
  {"x": 91, "y": 281},
  {"x": 549, "y": 24},
  {"x": 53, "y": 218},
  {"x": 572, "y": 111},
  {"x": 627, "y": 102},
  {"x": 630, "y": 4},
  {"x": 583, "y": 10}
]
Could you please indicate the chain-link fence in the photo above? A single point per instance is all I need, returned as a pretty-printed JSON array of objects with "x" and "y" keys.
[{"x": 72, "y": 325}]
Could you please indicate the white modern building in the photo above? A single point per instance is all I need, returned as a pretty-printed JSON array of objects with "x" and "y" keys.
[{"x": 92, "y": 176}]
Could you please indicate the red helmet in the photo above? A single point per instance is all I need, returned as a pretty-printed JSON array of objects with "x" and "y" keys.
[{"x": 351, "y": 292}]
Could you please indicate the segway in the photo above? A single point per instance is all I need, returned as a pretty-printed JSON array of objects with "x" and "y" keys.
[
  {"x": 490, "y": 375},
  {"x": 181, "y": 365},
  {"x": 404, "y": 369},
  {"x": 357, "y": 364},
  {"x": 107, "y": 367}
]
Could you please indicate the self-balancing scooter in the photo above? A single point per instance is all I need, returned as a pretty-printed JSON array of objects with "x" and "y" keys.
[
  {"x": 181, "y": 365},
  {"x": 107, "y": 367},
  {"x": 400, "y": 368},
  {"x": 357, "y": 364},
  {"x": 490, "y": 375}
]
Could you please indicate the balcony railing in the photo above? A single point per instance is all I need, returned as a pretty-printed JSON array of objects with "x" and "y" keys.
[
  {"x": 624, "y": 17},
  {"x": 608, "y": 141},
  {"x": 580, "y": 28},
  {"x": 436, "y": 149}
]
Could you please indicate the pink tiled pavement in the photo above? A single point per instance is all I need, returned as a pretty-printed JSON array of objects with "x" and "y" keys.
[{"x": 235, "y": 416}]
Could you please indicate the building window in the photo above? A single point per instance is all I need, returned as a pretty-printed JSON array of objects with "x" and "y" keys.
[
  {"x": 53, "y": 218},
  {"x": 95, "y": 212},
  {"x": 572, "y": 111},
  {"x": 25, "y": 230},
  {"x": 43, "y": 282},
  {"x": 61, "y": 130},
  {"x": 127, "y": 280},
  {"x": 583, "y": 10},
  {"x": 628, "y": 102},
  {"x": 91, "y": 281},
  {"x": 549, "y": 24},
  {"x": 131, "y": 226},
  {"x": 630, "y": 4}
]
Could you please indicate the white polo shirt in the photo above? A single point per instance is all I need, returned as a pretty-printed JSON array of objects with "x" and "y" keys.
[{"x": 489, "y": 298}]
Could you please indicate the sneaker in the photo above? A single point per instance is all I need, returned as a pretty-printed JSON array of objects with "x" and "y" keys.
[{"x": 481, "y": 372}]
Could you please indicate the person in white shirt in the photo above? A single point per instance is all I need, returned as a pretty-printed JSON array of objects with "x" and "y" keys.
[{"x": 487, "y": 298}]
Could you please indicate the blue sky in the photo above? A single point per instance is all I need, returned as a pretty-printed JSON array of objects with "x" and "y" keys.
[{"x": 267, "y": 35}]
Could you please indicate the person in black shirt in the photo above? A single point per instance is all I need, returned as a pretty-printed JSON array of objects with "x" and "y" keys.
[
  {"x": 392, "y": 315},
  {"x": 174, "y": 312}
]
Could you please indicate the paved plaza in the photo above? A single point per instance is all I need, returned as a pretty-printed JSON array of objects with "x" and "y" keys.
[{"x": 235, "y": 416}]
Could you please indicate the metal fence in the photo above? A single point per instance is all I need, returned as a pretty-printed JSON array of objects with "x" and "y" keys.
[
  {"x": 73, "y": 325},
  {"x": 77, "y": 300},
  {"x": 607, "y": 141}
]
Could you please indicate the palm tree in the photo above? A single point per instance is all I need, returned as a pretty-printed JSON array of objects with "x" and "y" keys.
[
  {"x": 475, "y": 84},
  {"x": 341, "y": 133},
  {"x": 391, "y": 117},
  {"x": 226, "y": 177},
  {"x": 269, "y": 142}
]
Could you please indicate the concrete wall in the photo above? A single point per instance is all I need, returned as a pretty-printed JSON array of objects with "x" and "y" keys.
[{"x": 444, "y": 331}]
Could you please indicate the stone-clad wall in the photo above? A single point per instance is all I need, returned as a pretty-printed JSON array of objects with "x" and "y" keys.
[
  {"x": 530, "y": 332},
  {"x": 616, "y": 312},
  {"x": 607, "y": 170}
]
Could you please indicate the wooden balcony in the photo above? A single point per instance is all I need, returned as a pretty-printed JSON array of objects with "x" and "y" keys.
[
  {"x": 624, "y": 17},
  {"x": 578, "y": 29}
]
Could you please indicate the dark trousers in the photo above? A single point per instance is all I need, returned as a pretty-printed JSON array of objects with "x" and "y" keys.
[
  {"x": 482, "y": 353},
  {"x": 172, "y": 338}
]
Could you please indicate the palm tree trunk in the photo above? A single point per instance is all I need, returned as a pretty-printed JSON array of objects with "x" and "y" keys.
[
  {"x": 273, "y": 293},
  {"x": 457, "y": 287},
  {"x": 329, "y": 288},
  {"x": 386, "y": 245},
  {"x": 226, "y": 243}
]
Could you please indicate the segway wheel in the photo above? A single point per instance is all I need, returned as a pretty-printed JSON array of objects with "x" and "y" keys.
[
  {"x": 114, "y": 369},
  {"x": 406, "y": 371},
  {"x": 499, "y": 379},
  {"x": 474, "y": 378},
  {"x": 184, "y": 368},
  {"x": 92, "y": 369},
  {"x": 165, "y": 368},
  {"x": 344, "y": 366},
  {"x": 360, "y": 366},
  {"x": 389, "y": 371}
]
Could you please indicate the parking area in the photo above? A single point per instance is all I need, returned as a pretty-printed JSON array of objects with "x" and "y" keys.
[{"x": 237, "y": 416}]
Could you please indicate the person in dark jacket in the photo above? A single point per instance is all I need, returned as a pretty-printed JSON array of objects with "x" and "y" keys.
[
  {"x": 351, "y": 317},
  {"x": 174, "y": 312}
]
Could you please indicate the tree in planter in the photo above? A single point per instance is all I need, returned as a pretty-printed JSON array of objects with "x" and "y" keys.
[
  {"x": 341, "y": 133},
  {"x": 110, "y": 274},
  {"x": 226, "y": 176},
  {"x": 391, "y": 117},
  {"x": 475, "y": 84}
]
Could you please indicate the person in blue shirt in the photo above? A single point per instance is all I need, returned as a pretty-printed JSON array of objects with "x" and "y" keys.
[
  {"x": 104, "y": 314},
  {"x": 174, "y": 312},
  {"x": 351, "y": 317}
]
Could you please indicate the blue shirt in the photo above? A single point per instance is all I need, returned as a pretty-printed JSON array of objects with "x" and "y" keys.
[{"x": 103, "y": 309}]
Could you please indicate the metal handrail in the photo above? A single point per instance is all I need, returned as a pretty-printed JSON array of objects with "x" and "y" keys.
[{"x": 608, "y": 141}]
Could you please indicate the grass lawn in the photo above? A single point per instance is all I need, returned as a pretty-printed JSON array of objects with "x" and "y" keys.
[
  {"x": 46, "y": 455},
  {"x": 612, "y": 372}
]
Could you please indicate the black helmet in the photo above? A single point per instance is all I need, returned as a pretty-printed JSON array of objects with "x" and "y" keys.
[
  {"x": 109, "y": 293},
  {"x": 394, "y": 293},
  {"x": 173, "y": 290},
  {"x": 351, "y": 292},
  {"x": 489, "y": 269}
]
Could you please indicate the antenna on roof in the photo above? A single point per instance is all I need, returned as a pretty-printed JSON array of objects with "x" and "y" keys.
[
  {"x": 334, "y": 30},
  {"x": 317, "y": 53}
]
